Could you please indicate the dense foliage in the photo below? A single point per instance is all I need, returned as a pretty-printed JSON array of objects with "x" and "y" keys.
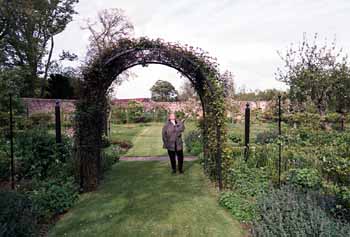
[
  {"x": 27, "y": 30},
  {"x": 18, "y": 215},
  {"x": 289, "y": 212},
  {"x": 38, "y": 154},
  {"x": 44, "y": 173},
  {"x": 315, "y": 166},
  {"x": 134, "y": 113},
  {"x": 194, "y": 142},
  {"x": 54, "y": 196},
  {"x": 60, "y": 87}
]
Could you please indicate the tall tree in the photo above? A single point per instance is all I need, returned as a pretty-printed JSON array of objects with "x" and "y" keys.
[
  {"x": 27, "y": 31},
  {"x": 164, "y": 91},
  {"x": 313, "y": 72},
  {"x": 227, "y": 79},
  {"x": 340, "y": 102},
  {"x": 63, "y": 81},
  {"x": 187, "y": 92},
  {"x": 106, "y": 30},
  {"x": 60, "y": 87}
]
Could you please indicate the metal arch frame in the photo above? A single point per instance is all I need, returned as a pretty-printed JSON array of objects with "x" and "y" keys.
[{"x": 111, "y": 60}]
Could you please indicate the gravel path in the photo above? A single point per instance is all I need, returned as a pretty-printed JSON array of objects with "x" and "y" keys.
[{"x": 154, "y": 158}]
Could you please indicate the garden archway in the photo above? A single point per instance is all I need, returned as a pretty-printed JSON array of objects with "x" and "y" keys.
[{"x": 103, "y": 69}]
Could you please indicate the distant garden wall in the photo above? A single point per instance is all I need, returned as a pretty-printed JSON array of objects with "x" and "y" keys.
[{"x": 34, "y": 105}]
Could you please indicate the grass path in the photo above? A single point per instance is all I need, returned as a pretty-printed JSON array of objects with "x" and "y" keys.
[
  {"x": 143, "y": 199},
  {"x": 148, "y": 142}
]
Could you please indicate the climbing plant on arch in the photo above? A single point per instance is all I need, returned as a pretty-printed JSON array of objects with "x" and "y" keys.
[{"x": 102, "y": 70}]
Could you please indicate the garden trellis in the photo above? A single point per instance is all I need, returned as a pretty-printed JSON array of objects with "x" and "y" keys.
[{"x": 102, "y": 70}]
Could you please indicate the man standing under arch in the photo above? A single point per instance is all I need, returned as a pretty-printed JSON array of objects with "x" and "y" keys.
[{"x": 172, "y": 141}]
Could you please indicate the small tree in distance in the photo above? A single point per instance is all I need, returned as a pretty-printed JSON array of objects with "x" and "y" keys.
[
  {"x": 315, "y": 73},
  {"x": 164, "y": 91}
]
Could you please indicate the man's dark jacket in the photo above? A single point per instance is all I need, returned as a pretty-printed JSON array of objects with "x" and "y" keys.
[{"x": 171, "y": 134}]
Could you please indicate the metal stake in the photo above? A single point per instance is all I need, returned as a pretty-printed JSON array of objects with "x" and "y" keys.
[
  {"x": 11, "y": 140},
  {"x": 58, "y": 122},
  {"x": 247, "y": 131},
  {"x": 279, "y": 145}
]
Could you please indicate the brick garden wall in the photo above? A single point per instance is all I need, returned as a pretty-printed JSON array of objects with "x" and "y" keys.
[{"x": 34, "y": 105}]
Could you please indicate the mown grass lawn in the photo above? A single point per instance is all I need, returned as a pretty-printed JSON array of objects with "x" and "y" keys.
[
  {"x": 126, "y": 131},
  {"x": 144, "y": 199},
  {"x": 148, "y": 142}
]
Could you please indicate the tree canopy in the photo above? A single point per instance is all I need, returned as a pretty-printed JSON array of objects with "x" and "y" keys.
[
  {"x": 187, "y": 92},
  {"x": 316, "y": 73},
  {"x": 26, "y": 30},
  {"x": 164, "y": 91}
]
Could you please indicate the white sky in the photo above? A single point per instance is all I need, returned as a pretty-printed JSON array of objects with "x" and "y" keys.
[{"x": 243, "y": 35}]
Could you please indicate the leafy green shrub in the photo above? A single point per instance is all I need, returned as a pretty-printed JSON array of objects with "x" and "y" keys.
[
  {"x": 123, "y": 144},
  {"x": 105, "y": 142},
  {"x": 234, "y": 138},
  {"x": 4, "y": 119},
  {"x": 160, "y": 115},
  {"x": 41, "y": 119},
  {"x": 240, "y": 207},
  {"x": 4, "y": 162},
  {"x": 263, "y": 156},
  {"x": 288, "y": 212},
  {"x": 4, "y": 168},
  {"x": 345, "y": 195},
  {"x": 299, "y": 157},
  {"x": 146, "y": 117},
  {"x": 119, "y": 115},
  {"x": 266, "y": 137},
  {"x": 336, "y": 168},
  {"x": 18, "y": 216},
  {"x": 197, "y": 148},
  {"x": 193, "y": 141},
  {"x": 247, "y": 181},
  {"x": 180, "y": 115},
  {"x": 305, "y": 178},
  {"x": 304, "y": 119},
  {"x": 333, "y": 117},
  {"x": 54, "y": 196},
  {"x": 109, "y": 159},
  {"x": 39, "y": 155},
  {"x": 34, "y": 151}
]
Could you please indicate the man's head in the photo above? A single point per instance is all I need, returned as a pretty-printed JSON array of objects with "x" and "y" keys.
[{"x": 172, "y": 116}]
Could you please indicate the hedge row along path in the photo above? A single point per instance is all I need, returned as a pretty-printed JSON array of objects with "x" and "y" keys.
[{"x": 144, "y": 199}]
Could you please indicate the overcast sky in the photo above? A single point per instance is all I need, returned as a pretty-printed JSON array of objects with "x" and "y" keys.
[{"x": 244, "y": 35}]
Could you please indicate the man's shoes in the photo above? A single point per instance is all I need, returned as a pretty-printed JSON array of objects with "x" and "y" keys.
[
  {"x": 173, "y": 172},
  {"x": 181, "y": 171}
]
